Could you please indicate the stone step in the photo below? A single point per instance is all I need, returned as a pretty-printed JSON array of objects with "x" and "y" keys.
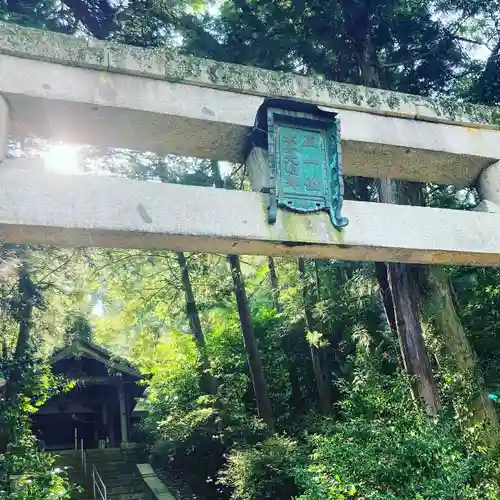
[
  {"x": 113, "y": 493},
  {"x": 84, "y": 495},
  {"x": 80, "y": 479},
  {"x": 118, "y": 463},
  {"x": 110, "y": 471},
  {"x": 132, "y": 496},
  {"x": 115, "y": 471},
  {"x": 116, "y": 468},
  {"x": 112, "y": 463},
  {"x": 69, "y": 460},
  {"x": 117, "y": 478},
  {"x": 120, "y": 480},
  {"x": 114, "y": 451},
  {"x": 112, "y": 466},
  {"x": 107, "y": 458},
  {"x": 131, "y": 485},
  {"x": 117, "y": 493}
]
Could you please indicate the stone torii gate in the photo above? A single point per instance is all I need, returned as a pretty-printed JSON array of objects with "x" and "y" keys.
[{"x": 66, "y": 88}]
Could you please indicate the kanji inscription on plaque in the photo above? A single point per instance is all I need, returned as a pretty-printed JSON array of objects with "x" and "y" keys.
[
  {"x": 302, "y": 169},
  {"x": 304, "y": 165}
]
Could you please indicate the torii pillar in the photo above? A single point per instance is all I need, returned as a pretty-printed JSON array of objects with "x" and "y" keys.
[
  {"x": 4, "y": 127},
  {"x": 489, "y": 188}
]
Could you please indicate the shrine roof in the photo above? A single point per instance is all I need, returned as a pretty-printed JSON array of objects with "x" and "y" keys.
[{"x": 90, "y": 350}]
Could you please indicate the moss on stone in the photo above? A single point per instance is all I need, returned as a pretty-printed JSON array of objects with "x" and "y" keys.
[
  {"x": 373, "y": 99},
  {"x": 393, "y": 100},
  {"x": 166, "y": 63}
]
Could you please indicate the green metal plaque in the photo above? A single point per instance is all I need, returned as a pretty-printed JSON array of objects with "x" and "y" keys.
[
  {"x": 302, "y": 168},
  {"x": 304, "y": 163}
]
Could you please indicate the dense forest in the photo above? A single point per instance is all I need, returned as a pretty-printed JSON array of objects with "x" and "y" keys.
[{"x": 270, "y": 377}]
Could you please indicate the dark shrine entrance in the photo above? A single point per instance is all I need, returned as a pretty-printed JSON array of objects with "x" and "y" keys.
[{"x": 98, "y": 409}]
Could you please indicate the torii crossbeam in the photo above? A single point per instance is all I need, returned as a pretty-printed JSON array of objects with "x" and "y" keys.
[{"x": 61, "y": 87}]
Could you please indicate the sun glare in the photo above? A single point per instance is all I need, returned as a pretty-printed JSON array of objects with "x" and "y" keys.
[{"x": 62, "y": 158}]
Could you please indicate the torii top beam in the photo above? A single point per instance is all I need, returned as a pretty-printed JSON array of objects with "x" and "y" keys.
[
  {"x": 94, "y": 92},
  {"x": 103, "y": 93}
]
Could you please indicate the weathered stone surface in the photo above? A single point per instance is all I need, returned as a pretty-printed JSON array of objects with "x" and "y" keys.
[
  {"x": 48, "y": 46},
  {"x": 487, "y": 206},
  {"x": 211, "y": 112},
  {"x": 136, "y": 61},
  {"x": 119, "y": 110},
  {"x": 153, "y": 63},
  {"x": 154, "y": 483},
  {"x": 4, "y": 127},
  {"x": 489, "y": 183},
  {"x": 258, "y": 169},
  {"x": 146, "y": 470},
  {"x": 72, "y": 211}
]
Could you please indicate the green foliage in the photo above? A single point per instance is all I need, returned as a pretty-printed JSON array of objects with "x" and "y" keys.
[
  {"x": 265, "y": 470},
  {"x": 184, "y": 423},
  {"x": 188, "y": 426},
  {"x": 36, "y": 14},
  {"x": 381, "y": 446},
  {"x": 78, "y": 327},
  {"x": 26, "y": 474},
  {"x": 174, "y": 381},
  {"x": 385, "y": 447},
  {"x": 478, "y": 297}
]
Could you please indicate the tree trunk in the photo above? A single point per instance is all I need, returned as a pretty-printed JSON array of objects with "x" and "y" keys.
[
  {"x": 321, "y": 381},
  {"x": 334, "y": 336},
  {"x": 403, "y": 290},
  {"x": 296, "y": 396},
  {"x": 207, "y": 381},
  {"x": 395, "y": 281},
  {"x": 385, "y": 295},
  {"x": 273, "y": 277},
  {"x": 24, "y": 315},
  {"x": 254, "y": 360},
  {"x": 447, "y": 323},
  {"x": 25, "y": 311},
  {"x": 456, "y": 344},
  {"x": 415, "y": 357},
  {"x": 318, "y": 280}
]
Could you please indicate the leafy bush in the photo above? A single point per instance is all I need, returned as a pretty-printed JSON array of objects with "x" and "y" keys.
[
  {"x": 26, "y": 474},
  {"x": 265, "y": 470},
  {"x": 192, "y": 431},
  {"x": 386, "y": 447}
]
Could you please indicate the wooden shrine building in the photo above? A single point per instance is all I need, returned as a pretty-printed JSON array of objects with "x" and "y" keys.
[{"x": 98, "y": 408}]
